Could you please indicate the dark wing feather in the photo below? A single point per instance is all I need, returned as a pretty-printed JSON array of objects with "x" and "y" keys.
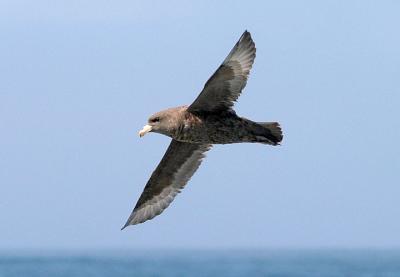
[
  {"x": 225, "y": 85},
  {"x": 178, "y": 165}
]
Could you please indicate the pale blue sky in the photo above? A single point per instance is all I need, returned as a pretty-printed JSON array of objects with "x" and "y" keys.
[{"x": 78, "y": 80}]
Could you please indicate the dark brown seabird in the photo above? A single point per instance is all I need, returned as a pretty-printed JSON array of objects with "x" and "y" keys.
[{"x": 195, "y": 128}]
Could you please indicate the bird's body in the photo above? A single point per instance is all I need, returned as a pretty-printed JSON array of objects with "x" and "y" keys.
[
  {"x": 209, "y": 120},
  {"x": 223, "y": 127}
]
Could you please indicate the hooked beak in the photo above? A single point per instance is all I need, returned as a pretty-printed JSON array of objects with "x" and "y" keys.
[{"x": 147, "y": 128}]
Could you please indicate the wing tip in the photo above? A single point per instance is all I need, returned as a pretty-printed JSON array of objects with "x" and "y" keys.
[
  {"x": 246, "y": 36},
  {"x": 132, "y": 220},
  {"x": 246, "y": 44},
  {"x": 123, "y": 227},
  {"x": 246, "y": 33},
  {"x": 128, "y": 223}
]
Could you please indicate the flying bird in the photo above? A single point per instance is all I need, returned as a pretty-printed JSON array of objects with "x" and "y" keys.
[{"x": 209, "y": 120}]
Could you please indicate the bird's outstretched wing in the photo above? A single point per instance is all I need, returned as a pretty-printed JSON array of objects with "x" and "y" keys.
[
  {"x": 178, "y": 165},
  {"x": 225, "y": 85}
]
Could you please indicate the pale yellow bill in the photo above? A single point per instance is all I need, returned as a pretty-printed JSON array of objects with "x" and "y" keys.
[{"x": 145, "y": 130}]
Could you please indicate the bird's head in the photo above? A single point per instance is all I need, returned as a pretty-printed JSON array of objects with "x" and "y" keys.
[{"x": 164, "y": 122}]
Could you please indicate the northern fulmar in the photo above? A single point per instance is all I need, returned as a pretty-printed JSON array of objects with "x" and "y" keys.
[{"x": 209, "y": 120}]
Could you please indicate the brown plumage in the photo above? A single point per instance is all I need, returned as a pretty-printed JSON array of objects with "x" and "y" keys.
[{"x": 194, "y": 128}]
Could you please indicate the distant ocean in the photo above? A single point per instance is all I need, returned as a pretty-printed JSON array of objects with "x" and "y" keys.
[{"x": 273, "y": 263}]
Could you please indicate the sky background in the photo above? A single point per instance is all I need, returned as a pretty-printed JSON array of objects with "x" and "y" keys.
[{"x": 78, "y": 79}]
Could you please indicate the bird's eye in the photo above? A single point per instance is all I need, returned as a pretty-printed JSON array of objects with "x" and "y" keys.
[{"x": 156, "y": 119}]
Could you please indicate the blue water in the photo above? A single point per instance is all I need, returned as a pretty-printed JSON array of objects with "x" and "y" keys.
[{"x": 274, "y": 263}]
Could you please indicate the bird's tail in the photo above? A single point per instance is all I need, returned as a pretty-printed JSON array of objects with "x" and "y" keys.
[{"x": 274, "y": 131}]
